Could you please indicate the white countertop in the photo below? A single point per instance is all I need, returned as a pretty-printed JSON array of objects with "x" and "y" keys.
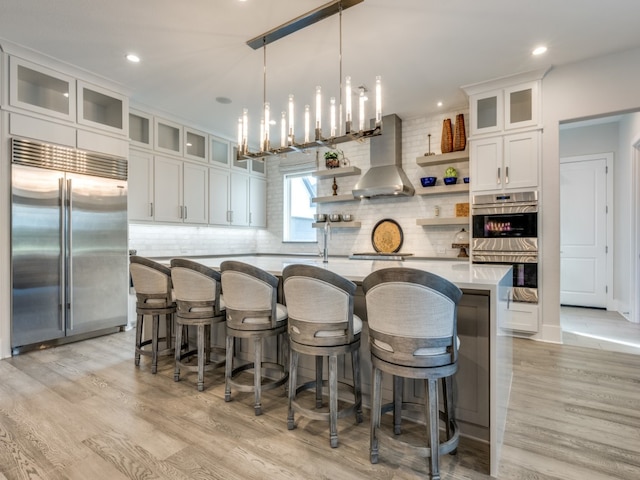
[{"x": 464, "y": 275}]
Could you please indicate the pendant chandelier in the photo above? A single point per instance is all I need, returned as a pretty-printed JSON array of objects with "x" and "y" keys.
[{"x": 339, "y": 132}]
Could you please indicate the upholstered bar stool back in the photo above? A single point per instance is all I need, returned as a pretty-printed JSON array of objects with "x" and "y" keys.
[
  {"x": 253, "y": 313},
  {"x": 199, "y": 304},
  {"x": 411, "y": 317},
  {"x": 152, "y": 283},
  {"x": 322, "y": 324}
]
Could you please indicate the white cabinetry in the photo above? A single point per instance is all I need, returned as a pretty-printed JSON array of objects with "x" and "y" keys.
[
  {"x": 508, "y": 108},
  {"x": 140, "y": 186},
  {"x": 219, "y": 196},
  {"x": 239, "y": 199},
  {"x": 195, "y": 189},
  {"x": 41, "y": 90},
  {"x": 167, "y": 181},
  {"x": 505, "y": 162},
  {"x": 168, "y": 137},
  {"x": 56, "y": 108},
  {"x": 140, "y": 129},
  {"x": 257, "y": 202},
  {"x": 521, "y": 317},
  {"x": 196, "y": 145},
  {"x": 102, "y": 108},
  {"x": 180, "y": 191}
]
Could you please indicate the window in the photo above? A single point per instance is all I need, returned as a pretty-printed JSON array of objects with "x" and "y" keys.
[{"x": 299, "y": 190}]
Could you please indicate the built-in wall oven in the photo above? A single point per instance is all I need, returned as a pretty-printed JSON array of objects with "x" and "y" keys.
[{"x": 505, "y": 232}]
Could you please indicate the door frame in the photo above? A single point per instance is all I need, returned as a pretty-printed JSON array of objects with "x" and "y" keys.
[
  {"x": 610, "y": 304},
  {"x": 635, "y": 232}
]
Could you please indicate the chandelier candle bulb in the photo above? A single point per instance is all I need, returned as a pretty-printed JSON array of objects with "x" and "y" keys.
[
  {"x": 332, "y": 116},
  {"x": 291, "y": 115},
  {"x": 283, "y": 130},
  {"x": 267, "y": 121},
  {"x": 347, "y": 82},
  {"x": 318, "y": 113},
  {"x": 307, "y": 121},
  {"x": 378, "y": 101},
  {"x": 240, "y": 132},
  {"x": 245, "y": 131},
  {"x": 361, "y": 99},
  {"x": 262, "y": 141}
]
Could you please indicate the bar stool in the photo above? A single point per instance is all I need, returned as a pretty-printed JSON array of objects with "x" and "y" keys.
[
  {"x": 322, "y": 324},
  {"x": 254, "y": 313},
  {"x": 152, "y": 283},
  {"x": 199, "y": 304},
  {"x": 411, "y": 316}
]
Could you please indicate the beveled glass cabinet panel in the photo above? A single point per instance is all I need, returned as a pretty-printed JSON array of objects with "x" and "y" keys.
[
  {"x": 486, "y": 112},
  {"x": 140, "y": 128},
  {"x": 196, "y": 145},
  {"x": 521, "y": 109}
]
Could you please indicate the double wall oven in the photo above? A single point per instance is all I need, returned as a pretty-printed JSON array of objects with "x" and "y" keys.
[{"x": 505, "y": 232}]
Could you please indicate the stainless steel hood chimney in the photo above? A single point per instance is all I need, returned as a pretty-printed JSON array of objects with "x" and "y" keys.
[{"x": 385, "y": 177}]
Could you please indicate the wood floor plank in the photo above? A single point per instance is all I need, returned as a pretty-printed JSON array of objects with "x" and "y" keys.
[{"x": 84, "y": 410}]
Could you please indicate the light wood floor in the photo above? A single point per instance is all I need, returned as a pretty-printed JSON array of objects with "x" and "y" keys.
[
  {"x": 600, "y": 329},
  {"x": 83, "y": 411}
]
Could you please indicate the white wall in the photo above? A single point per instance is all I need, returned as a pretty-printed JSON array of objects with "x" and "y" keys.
[{"x": 594, "y": 87}]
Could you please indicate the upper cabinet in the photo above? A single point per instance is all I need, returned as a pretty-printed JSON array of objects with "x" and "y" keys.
[
  {"x": 168, "y": 138},
  {"x": 505, "y": 132},
  {"x": 196, "y": 145},
  {"x": 41, "y": 90},
  {"x": 505, "y": 162},
  {"x": 505, "y": 109},
  {"x": 140, "y": 129},
  {"x": 101, "y": 108}
]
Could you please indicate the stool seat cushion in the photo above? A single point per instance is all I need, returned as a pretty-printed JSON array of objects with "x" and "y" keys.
[
  {"x": 357, "y": 328},
  {"x": 281, "y": 317},
  {"x": 419, "y": 352}
]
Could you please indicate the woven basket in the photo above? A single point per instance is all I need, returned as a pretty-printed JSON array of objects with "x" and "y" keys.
[
  {"x": 459, "y": 134},
  {"x": 446, "y": 145}
]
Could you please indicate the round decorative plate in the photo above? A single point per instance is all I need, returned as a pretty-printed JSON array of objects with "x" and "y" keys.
[{"x": 387, "y": 236}]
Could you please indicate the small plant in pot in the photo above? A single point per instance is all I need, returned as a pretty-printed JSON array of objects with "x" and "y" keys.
[
  {"x": 450, "y": 176},
  {"x": 331, "y": 158}
]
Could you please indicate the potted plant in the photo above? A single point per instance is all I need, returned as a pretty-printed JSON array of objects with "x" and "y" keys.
[
  {"x": 331, "y": 158},
  {"x": 450, "y": 176}
]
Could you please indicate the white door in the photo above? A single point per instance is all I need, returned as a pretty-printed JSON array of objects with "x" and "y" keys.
[{"x": 583, "y": 231}]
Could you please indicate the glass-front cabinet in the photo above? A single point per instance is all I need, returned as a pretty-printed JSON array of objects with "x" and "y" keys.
[
  {"x": 102, "y": 108},
  {"x": 140, "y": 129},
  {"x": 504, "y": 109},
  {"x": 168, "y": 136},
  {"x": 196, "y": 145},
  {"x": 41, "y": 90},
  {"x": 220, "y": 150}
]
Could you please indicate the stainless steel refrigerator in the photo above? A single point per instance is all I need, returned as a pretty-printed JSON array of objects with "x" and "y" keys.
[{"x": 68, "y": 243}]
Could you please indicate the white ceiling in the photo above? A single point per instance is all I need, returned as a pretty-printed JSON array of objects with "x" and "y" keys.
[{"x": 194, "y": 51}]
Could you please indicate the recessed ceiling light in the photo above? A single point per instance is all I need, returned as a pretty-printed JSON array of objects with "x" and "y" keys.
[
  {"x": 439, "y": 104},
  {"x": 132, "y": 57},
  {"x": 539, "y": 50}
]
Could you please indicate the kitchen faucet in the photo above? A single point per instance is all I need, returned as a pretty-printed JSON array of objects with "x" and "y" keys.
[{"x": 326, "y": 235}]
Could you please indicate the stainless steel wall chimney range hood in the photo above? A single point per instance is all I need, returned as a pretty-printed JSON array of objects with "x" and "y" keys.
[{"x": 385, "y": 177}]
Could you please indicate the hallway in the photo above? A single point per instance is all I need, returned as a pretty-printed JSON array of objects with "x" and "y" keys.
[{"x": 599, "y": 329}]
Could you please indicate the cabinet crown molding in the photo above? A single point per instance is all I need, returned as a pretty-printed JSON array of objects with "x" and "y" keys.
[{"x": 507, "y": 81}]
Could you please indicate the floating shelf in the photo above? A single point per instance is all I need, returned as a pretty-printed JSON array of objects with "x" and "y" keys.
[
  {"x": 440, "y": 189},
  {"x": 428, "y": 160},
  {"x": 442, "y": 221},
  {"x": 337, "y": 224},
  {"x": 335, "y": 198},
  {"x": 336, "y": 172}
]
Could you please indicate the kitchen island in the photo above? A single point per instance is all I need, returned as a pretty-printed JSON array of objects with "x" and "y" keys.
[{"x": 484, "y": 375}]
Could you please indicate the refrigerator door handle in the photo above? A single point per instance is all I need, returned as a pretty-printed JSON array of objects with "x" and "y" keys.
[
  {"x": 69, "y": 283},
  {"x": 63, "y": 241}
]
